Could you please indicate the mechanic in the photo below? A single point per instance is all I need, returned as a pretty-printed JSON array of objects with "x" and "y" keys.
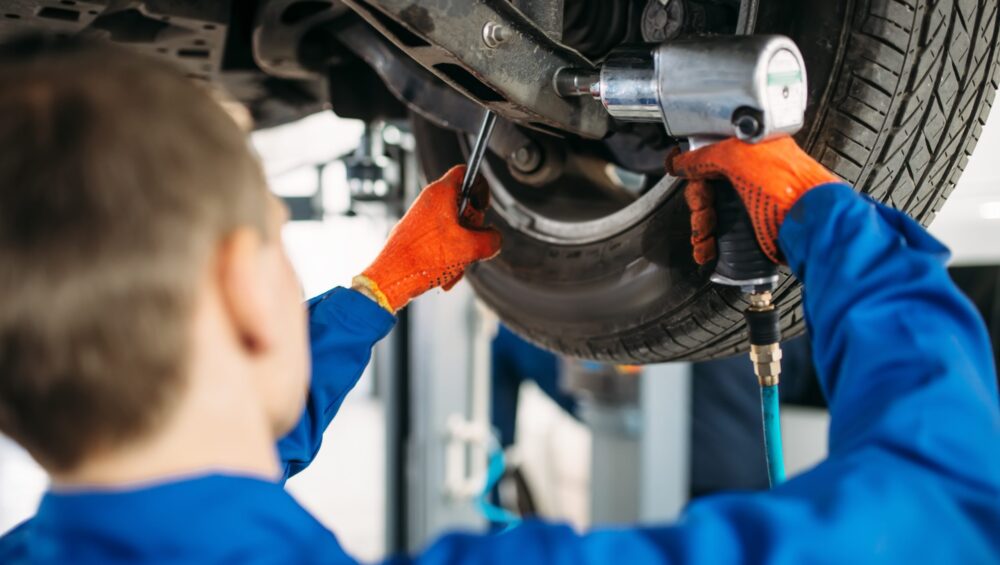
[{"x": 153, "y": 350}]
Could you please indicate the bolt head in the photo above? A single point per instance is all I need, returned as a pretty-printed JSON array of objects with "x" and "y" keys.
[
  {"x": 494, "y": 34},
  {"x": 526, "y": 158},
  {"x": 522, "y": 155}
]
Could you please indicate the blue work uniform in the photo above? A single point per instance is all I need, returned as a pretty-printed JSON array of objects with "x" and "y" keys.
[{"x": 913, "y": 472}]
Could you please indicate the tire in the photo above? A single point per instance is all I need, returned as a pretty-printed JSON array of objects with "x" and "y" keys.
[{"x": 910, "y": 86}]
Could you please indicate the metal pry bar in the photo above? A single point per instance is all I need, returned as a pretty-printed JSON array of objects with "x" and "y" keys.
[{"x": 475, "y": 158}]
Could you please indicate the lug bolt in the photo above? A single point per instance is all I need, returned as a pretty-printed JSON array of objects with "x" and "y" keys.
[{"x": 494, "y": 34}]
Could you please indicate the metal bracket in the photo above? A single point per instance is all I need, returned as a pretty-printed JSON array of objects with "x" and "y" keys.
[
  {"x": 514, "y": 78},
  {"x": 466, "y": 450}
]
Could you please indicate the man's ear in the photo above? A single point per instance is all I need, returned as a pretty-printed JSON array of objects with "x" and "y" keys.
[{"x": 243, "y": 288}]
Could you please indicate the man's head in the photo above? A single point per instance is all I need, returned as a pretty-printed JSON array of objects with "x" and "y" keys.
[{"x": 136, "y": 237}]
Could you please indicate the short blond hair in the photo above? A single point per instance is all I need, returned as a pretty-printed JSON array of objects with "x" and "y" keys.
[{"x": 118, "y": 177}]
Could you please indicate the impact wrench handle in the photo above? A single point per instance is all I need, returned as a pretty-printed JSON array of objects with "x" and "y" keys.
[
  {"x": 740, "y": 257},
  {"x": 742, "y": 263}
]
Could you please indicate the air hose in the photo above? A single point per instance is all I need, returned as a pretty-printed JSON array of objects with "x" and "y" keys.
[
  {"x": 495, "y": 468},
  {"x": 772, "y": 434},
  {"x": 765, "y": 354},
  {"x": 742, "y": 264}
]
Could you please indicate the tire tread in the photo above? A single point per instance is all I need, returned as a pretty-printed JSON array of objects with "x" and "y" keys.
[{"x": 920, "y": 70}]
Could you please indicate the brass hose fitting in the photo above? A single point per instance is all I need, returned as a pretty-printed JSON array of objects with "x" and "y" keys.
[
  {"x": 766, "y": 363},
  {"x": 765, "y": 338}
]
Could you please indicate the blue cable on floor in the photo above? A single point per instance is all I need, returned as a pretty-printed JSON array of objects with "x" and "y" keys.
[
  {"x": 494, "y": 471},
  {"x": 772, "y": 434}
]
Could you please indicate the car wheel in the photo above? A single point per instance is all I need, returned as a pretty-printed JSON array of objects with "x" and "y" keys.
[{"x": 899, "y": 93}]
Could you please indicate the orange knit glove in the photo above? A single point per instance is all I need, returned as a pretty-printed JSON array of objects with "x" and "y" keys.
[
  {"x": 428, "y": 248},
  {"x": 769, "y": 177}
]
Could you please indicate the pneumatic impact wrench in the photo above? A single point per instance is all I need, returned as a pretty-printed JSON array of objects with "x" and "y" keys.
[{"x": 706, "y": 90}]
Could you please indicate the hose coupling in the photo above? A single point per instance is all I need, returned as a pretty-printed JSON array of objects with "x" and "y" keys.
[
  {"x": 760, "y": 301},
  {"x": 766, "y": 361},
  {"x": 764, "y": 327}
]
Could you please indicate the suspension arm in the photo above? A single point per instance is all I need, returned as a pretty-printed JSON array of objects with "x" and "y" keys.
[{"x": 492, "y": 53}]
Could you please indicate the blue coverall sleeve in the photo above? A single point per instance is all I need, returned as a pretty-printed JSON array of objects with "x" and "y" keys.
[
  {"x": 913, "y": 471},
  {"x": 343, "y": 327}
]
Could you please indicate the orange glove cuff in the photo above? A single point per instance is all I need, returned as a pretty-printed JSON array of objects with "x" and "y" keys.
[{"x": 370, "y": 288}]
